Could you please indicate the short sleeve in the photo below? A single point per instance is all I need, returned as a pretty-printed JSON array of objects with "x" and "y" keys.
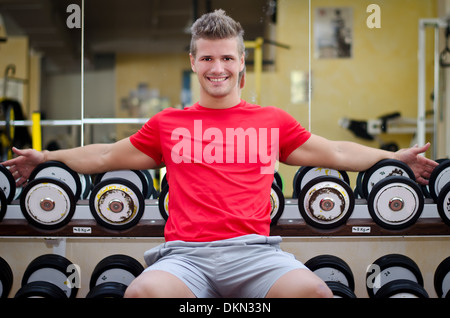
[
  {"x": 292, "y": 134},
  {"x": 148, "y": 140}
]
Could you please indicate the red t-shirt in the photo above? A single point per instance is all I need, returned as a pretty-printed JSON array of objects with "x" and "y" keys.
[{"x": 220, "y": 165}]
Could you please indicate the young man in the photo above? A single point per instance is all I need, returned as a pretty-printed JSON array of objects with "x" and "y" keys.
[{"x": 220, "y": 156}]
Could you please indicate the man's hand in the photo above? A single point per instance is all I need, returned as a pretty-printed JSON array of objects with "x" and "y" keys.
[
  {"x": 421, "y": 166},
  {"x": 25, "y": 162}
]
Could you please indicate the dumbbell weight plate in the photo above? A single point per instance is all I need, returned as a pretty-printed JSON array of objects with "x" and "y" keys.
[
  {"x": 47, "y": 203},
  {"x": 136, "y": 177},
  {"x": 383, "y": 169},
  {"x": 401, "y": 288},
  {"x": 277, "y": 203},
  {"x": 442, "y": 279},
  {"x": 116, "y": 268},
  {"x": 40, "y": 289},
  {"x": 395, "y": 203},
  {"x": 163, "y": 202},
  {"x": 306, "y": 174},
  {"x": 116, "y": 204},
  {"x": 86, "y": 185},
  {"x": 3, "y": 204},
  {"x": 107, "y": 290},
  {"x": 332, "y": 268},
  {"x": 51, "y": 268},
  {"x": 391, "y": 267},
  {"x": 443, "y": 204},
  {"x": 439, "y": 178},
  {"x": 6, "y": 278},
  {"x": 59, "y": 171},
  {"x": 326, "y": 202},
  {"x": 340, "y": 290},
  {"x": 7, "y": 183}
]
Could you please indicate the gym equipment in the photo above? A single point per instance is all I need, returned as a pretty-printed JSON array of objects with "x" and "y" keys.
[
  {"x": 137, "y": 177},
  {"x": 395, "y": 202},
  {"x": 340, "y": 290},
  {"x": 163, "y": 202},
  {"x": 116, "y": 268},
  {"x": 59, "y": 171},
  {"x": 439, "y": 178},
  {"x": 6, "y": 278},
  {"x": 3, "y": 204},
  {"x": 107, "y": 290},
  {"x": 278, "y": 180},
  {"x": 47, "y": 203},
  {"x": 277, "y": 203},
  {"x": 442, "y": 279},
  {"x": 116, "y": 203},
  {"x": 86, "y": 185},
  {"x": 326, "y": 202},
  {"x": 401, "y": 288},
  {"x": 391, "y": 268},
  {"x": 306, "y": 174},
  {"x": 383, "y": 169},
  {"x": 7, "y": 184},
  {"x": 331, "y": 268},
  {"x": 443, "y": 204},
  {"x": 40, "y": 289},
  {"x": 54, "y": 269}
]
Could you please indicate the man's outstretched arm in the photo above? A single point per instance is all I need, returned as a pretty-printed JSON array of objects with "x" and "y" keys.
[
  {"x": 349, "y": 156},
  {"x": 89, "y": 159}
]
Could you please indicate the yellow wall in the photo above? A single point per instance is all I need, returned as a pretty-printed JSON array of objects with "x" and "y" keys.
[
  {"x": 380, "y": 78},
  {"x": 16, "y": 51}
]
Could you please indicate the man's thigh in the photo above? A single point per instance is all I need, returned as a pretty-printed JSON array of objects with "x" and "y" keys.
[
  {"x": 158, "y": 284},
  {"x": 299, "y": 283}
]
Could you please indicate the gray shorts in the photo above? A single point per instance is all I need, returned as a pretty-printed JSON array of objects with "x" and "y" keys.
[{"x": 245, "y": 266}]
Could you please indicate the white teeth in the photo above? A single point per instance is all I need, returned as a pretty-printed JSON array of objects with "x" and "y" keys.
[{"x": 217, "y": 79}]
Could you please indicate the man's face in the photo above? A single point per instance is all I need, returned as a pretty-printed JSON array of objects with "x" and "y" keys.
[{"x": 217, "y": 64}]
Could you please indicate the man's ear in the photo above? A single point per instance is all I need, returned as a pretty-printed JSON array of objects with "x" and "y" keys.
[
  {"x": 192, "y": 58},
  {"x": 242, "y": 62}
]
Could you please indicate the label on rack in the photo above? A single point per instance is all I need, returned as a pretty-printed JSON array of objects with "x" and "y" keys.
[
  {"x": 360, "y": 229},
  {"x": 82, "y": 230}
]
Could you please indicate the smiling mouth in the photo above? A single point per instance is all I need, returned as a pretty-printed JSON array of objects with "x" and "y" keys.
[{"x": 217, "y": 79}]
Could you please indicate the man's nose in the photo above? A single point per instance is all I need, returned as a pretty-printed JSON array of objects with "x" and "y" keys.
[{"x": 218, "y": 67}]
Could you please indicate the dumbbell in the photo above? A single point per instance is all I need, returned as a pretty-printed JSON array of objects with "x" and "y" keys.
[
  {"x": 6, "y": 278},
  {"x": 141, "y": 178},
  {"x": 394, "y": 200},
  {"x": 439, "y": 187},
  {"x": 116, "y": 203},
  {"x": 112, "y": 275},
  {"x": 59, "y": 171},
  {"x": 277, "y": 203},
  {"x": 306, "y": 174},
  {"x": 335, "y": 272},
  {"x": 394, "y": 275},
  {"x": 7, "y": 189},
  {"x": 47, "y": 276},
  {"x": 47, "y": 203},
  {"x": 442, "y": 279},
  {"x": 326, "y": 202},
  {"x": 379, "y": 171},
  {"x": 439, "y": 178}
]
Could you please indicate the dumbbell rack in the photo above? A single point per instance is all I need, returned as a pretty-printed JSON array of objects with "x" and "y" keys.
[{"x": 290, "y": 224}]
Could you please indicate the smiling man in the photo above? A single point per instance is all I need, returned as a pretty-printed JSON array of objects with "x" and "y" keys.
[{"x": 220, "y": 156}]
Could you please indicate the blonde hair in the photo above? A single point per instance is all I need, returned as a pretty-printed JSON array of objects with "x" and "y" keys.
[{"x": 216, "y": 25}]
